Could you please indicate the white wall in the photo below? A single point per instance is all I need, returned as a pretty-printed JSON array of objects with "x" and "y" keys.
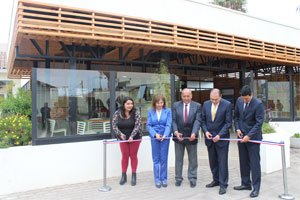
[
  {"x": 195, "y": 14},
  {"x": 33, "y": 167},
  {"x": 271, "y": 157},
  {"x": 24, "y": 81},
  {"x": 289, "y": 128}
]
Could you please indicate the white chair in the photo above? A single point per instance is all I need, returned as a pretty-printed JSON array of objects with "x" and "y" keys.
[
  {"x": 106, "y": 127},
  {"x": 81, "y": 127},
  {"x": 95, "y": 126},
  {"x": 52, "y": 128}
]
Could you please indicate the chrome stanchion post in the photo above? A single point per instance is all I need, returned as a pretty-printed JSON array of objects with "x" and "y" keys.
[
  {"x": 104, "y": 188},
  {"x": 285, "y": 195}
]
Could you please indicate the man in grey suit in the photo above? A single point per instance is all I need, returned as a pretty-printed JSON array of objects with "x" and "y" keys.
[
  {"x": 186, "y": 116},
  {"x": 216, "y": 120}
]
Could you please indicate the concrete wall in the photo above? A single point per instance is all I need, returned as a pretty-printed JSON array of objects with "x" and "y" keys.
[
  {"x": 289, "y": 128},
  {"x": 33, "y": 167},
  {"x": 271, "y": 158}
]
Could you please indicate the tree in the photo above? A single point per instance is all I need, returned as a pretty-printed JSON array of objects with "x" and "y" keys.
[
  {"x": 238, "y": 5},
  {"x": 162, "y": 81}
]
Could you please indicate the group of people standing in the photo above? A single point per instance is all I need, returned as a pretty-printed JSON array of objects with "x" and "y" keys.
[{"x": 185, "y": 120}]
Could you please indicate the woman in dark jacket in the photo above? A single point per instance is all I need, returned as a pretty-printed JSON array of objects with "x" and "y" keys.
[{"x": 126, "y": 124}]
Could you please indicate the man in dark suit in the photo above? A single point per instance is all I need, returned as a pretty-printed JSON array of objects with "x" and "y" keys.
[
  {"x": 216, "y": 119},
  {"x": 186, "y": 117},
  {"x": 248, "y": 120}
]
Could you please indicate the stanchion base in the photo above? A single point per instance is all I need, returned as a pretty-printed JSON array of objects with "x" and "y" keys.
[
  {"x": 104, "y": 188},
  {"x": 286, "y": 196}
]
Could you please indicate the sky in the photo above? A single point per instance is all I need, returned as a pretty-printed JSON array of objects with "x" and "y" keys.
[{"x": 280, "y": 11}]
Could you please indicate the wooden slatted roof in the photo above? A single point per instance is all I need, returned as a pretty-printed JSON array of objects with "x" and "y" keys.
[{"x": 42, "y": 21}]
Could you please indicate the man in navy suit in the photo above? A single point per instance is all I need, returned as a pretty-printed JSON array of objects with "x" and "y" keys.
[
  {"x": 186, "y": 117},
  {"x": 248, "y": 120},
  {"x": 216, "y": 119}
]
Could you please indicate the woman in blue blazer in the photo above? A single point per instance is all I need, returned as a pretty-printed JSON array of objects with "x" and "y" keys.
[{"x": 159, "y": 127}]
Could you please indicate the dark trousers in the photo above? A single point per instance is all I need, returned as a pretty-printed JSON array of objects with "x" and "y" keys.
[
  {"x": 218, "y": 162},
  {"x": 193, "y": 161},
  {"x": 250, "y": 162},
  {"x": 129, "y": 149}
]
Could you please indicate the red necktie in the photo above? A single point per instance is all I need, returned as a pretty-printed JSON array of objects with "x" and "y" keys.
[{"x": 185, "y": 113}]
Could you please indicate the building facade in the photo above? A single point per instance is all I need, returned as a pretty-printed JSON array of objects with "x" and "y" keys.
[{"x": 82, "y": 63}]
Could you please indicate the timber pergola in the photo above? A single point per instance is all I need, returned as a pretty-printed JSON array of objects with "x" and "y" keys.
[{"x": 47, "y": 32}]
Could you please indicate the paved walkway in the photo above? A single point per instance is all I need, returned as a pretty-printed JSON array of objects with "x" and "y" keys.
[{"x": 272, "y": 185}]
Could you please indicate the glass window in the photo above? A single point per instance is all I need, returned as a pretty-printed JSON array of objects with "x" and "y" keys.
[
  {"x": 296, "y": 79},
  {"x": 279, "y": 96},
  {"x": 260, "y": 92},
  {"x": 72, "y": 102},
  {"x": 141, "y": 87},
  {"x": 5, "y": 86}
]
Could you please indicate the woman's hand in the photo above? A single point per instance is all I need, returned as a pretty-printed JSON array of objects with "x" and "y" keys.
[
  {"x": 158, "y": 136},
  {"x": 122, "y": 137},
  {"x": 163, "y": 137},
  {"x": 130, "y": 139}
]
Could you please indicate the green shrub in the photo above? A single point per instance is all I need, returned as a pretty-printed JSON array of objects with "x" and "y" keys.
[
  {"x": 17, "y": 105},
  {"x": 15, "y": 131},
  {"x": 267, "y": 128},
  {"x": 297, "y": 135}
]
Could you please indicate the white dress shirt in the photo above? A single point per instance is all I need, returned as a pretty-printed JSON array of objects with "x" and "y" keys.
[{"x": 158, "y": 113}]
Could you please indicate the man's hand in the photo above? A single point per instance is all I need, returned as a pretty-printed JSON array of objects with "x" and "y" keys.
[
  {"x": 179, "y": 136},
  {"x": 208, "y": 135},
  {"x": 245, "y": 139},
  {"x": 239, "y": 133},
  {"x": 193, "y": 137},
  {"x": 130, "y": 139},
  {"x": 163, "y": 137},
  {"x": 216, "y": 139}
]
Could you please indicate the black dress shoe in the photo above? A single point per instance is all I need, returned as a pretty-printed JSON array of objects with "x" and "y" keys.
[
  {"x": 193, "y": 184},
  {"x": 254, "y": 193},
  {"x": 242, "y": 187},
  {"x": 178, "y": 183},
  {"x": 222, "y": 190},
  {"x": 158, "y": 185},
  {"x": 212, "y": 184}
]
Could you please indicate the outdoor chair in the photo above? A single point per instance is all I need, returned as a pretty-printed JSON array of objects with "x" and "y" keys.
[
  {"x": 106, "y": 127},
  {"x": 52, "y": 128},
  {"x": 81, "y": 127}
]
